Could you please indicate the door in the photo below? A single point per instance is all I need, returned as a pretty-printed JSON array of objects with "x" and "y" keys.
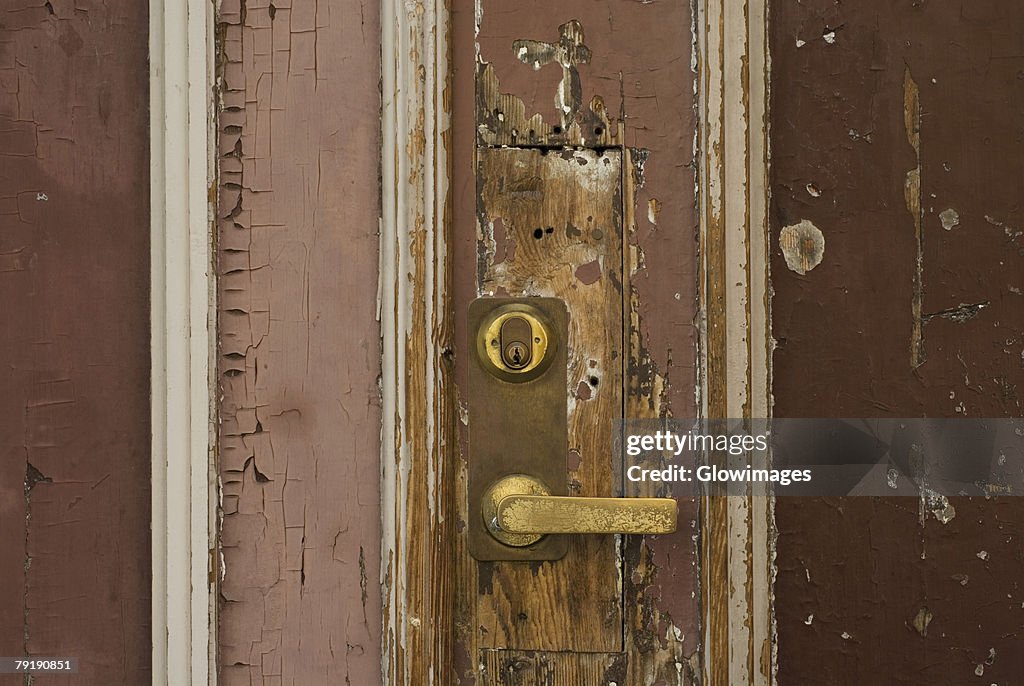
[
  {"x": 897, "y": 137},
  {"x": 574, "y": 180}
]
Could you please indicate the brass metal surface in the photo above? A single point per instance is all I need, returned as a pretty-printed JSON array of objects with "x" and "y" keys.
[
  {"x": 517, "y": 418},
  {"x": 522, "y": 508},
  {"x": 494, "y": 349},
  {"x": 516, "y": 484}
]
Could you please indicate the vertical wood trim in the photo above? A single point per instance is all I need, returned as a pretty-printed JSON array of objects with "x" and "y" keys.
[
  {"x": 181, "y": 62},
  {"x": 417, "y": 467},
  {"x": 735, "y": 346}
]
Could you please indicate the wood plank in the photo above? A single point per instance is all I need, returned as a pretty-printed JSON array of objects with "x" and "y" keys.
[
  {"x": 74, "y": 338},
  {"x": 526, "y": 668},
  {"x": 299, "y": 342},
  {"x": 889, "y": 116}
]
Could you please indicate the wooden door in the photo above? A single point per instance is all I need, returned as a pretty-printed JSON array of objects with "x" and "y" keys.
[
  {"x": 898, "y": 136},
  {"x": 574, "y": 179}
]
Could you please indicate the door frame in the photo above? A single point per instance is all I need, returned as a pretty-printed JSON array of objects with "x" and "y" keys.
[
  {"x": 737, "y": 540},
  {"x": 735, "y": 349},
  {"x": 183, "y": 326},
  {"x": 416, "y": 329}
]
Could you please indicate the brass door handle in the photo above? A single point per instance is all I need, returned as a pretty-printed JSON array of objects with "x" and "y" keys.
[{"x": 518, "y": 510}]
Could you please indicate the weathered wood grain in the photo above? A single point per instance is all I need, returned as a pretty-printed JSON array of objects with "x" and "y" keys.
[
  {"x": 74, "y": 338},
  {"x": 525, "y": 668},
  {"x": 416, "y": 323},
  {"x": 299, "y": 344},
  {"x": 550, "y": 224}
]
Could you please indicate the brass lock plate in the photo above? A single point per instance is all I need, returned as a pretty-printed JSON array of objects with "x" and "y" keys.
[{"x": 517, "y": 412}]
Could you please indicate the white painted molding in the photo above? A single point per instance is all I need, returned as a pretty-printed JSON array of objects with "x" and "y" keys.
[
  {"x": 734, "y": 80},
  {"x": 181, "y": 102},
  {"x": 412, "y": 304}
]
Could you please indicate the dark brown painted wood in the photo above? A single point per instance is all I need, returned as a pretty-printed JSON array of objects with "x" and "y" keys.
[
  {"x": 299, "y": 358},
  {"x": 74, "y": 338},
  {"x": 638, "y": 64},
  {"x": 898, "y": 130}
]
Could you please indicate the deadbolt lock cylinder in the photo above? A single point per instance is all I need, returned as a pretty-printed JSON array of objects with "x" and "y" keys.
[{"x": 515, "y": 342}]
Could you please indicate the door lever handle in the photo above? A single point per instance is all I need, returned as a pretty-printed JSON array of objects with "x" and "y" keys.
[{"x": 518, "y": 510}]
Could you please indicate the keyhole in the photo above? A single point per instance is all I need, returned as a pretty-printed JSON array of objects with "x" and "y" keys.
[{"x": 517, "y": 355}]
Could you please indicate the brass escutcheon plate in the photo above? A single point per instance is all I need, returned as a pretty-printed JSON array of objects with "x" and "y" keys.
[{"x": 517, "y": 418}]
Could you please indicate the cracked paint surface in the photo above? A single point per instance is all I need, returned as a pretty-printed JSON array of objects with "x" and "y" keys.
[{"x": 299, "y": 354}]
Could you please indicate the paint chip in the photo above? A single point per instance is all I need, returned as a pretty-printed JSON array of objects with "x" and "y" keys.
[
  {"x": 589, "y": 273},
  {"x": 938, "y": 505},
  {"x": 813, "y": 190},
  {"x": 653, "y": 209},
  {"x": 922, "y": 620},
  {"x": 983, "y": 555},
  {"x": 809, "y": 620},
  {"x": 800, "y": 43},
  {"x": 803, "y": 246},
  {"x": 949, "y": 218},
  {"x": 830, "y": 37}
]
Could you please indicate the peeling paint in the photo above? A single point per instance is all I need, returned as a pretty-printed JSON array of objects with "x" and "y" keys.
[
  {"x": 949, "y": 218},
  {"x": 297, "y": 268},
  {"x": 803, "y": 246},
  {"x": 921, "y": 621}
]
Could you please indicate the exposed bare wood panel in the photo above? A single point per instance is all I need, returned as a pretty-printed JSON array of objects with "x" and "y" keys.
[
  {"x": 897, "y": 134},
  {"x": 74, "y": 338},
  {"x": 299, "y": 342},
  {"x": 524, "y": 668},
  {"x": 558, "y": 219}
]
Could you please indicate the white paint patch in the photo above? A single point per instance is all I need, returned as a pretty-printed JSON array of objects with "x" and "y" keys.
[
  {"x": 949, "y": 218},
  {"x": 830, "y": 37},
  {"x": 813, "y": 190},
  {"x": 1011, "y": 232},
  {"x": 809, "y": 620},
  {"x": 800, "y": 43},
  {"x": 983, "y": 555},
  {"x": 653, "y": 208},
  {"x": 938, "y": 505},
  {"x": 803, "y": 246}
]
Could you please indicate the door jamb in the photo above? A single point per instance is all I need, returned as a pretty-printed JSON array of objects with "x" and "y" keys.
[
  {"x": 182, "y": 321},
  {"x": 418, "y": 432},
  {"x": 737, "y": 560}
]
